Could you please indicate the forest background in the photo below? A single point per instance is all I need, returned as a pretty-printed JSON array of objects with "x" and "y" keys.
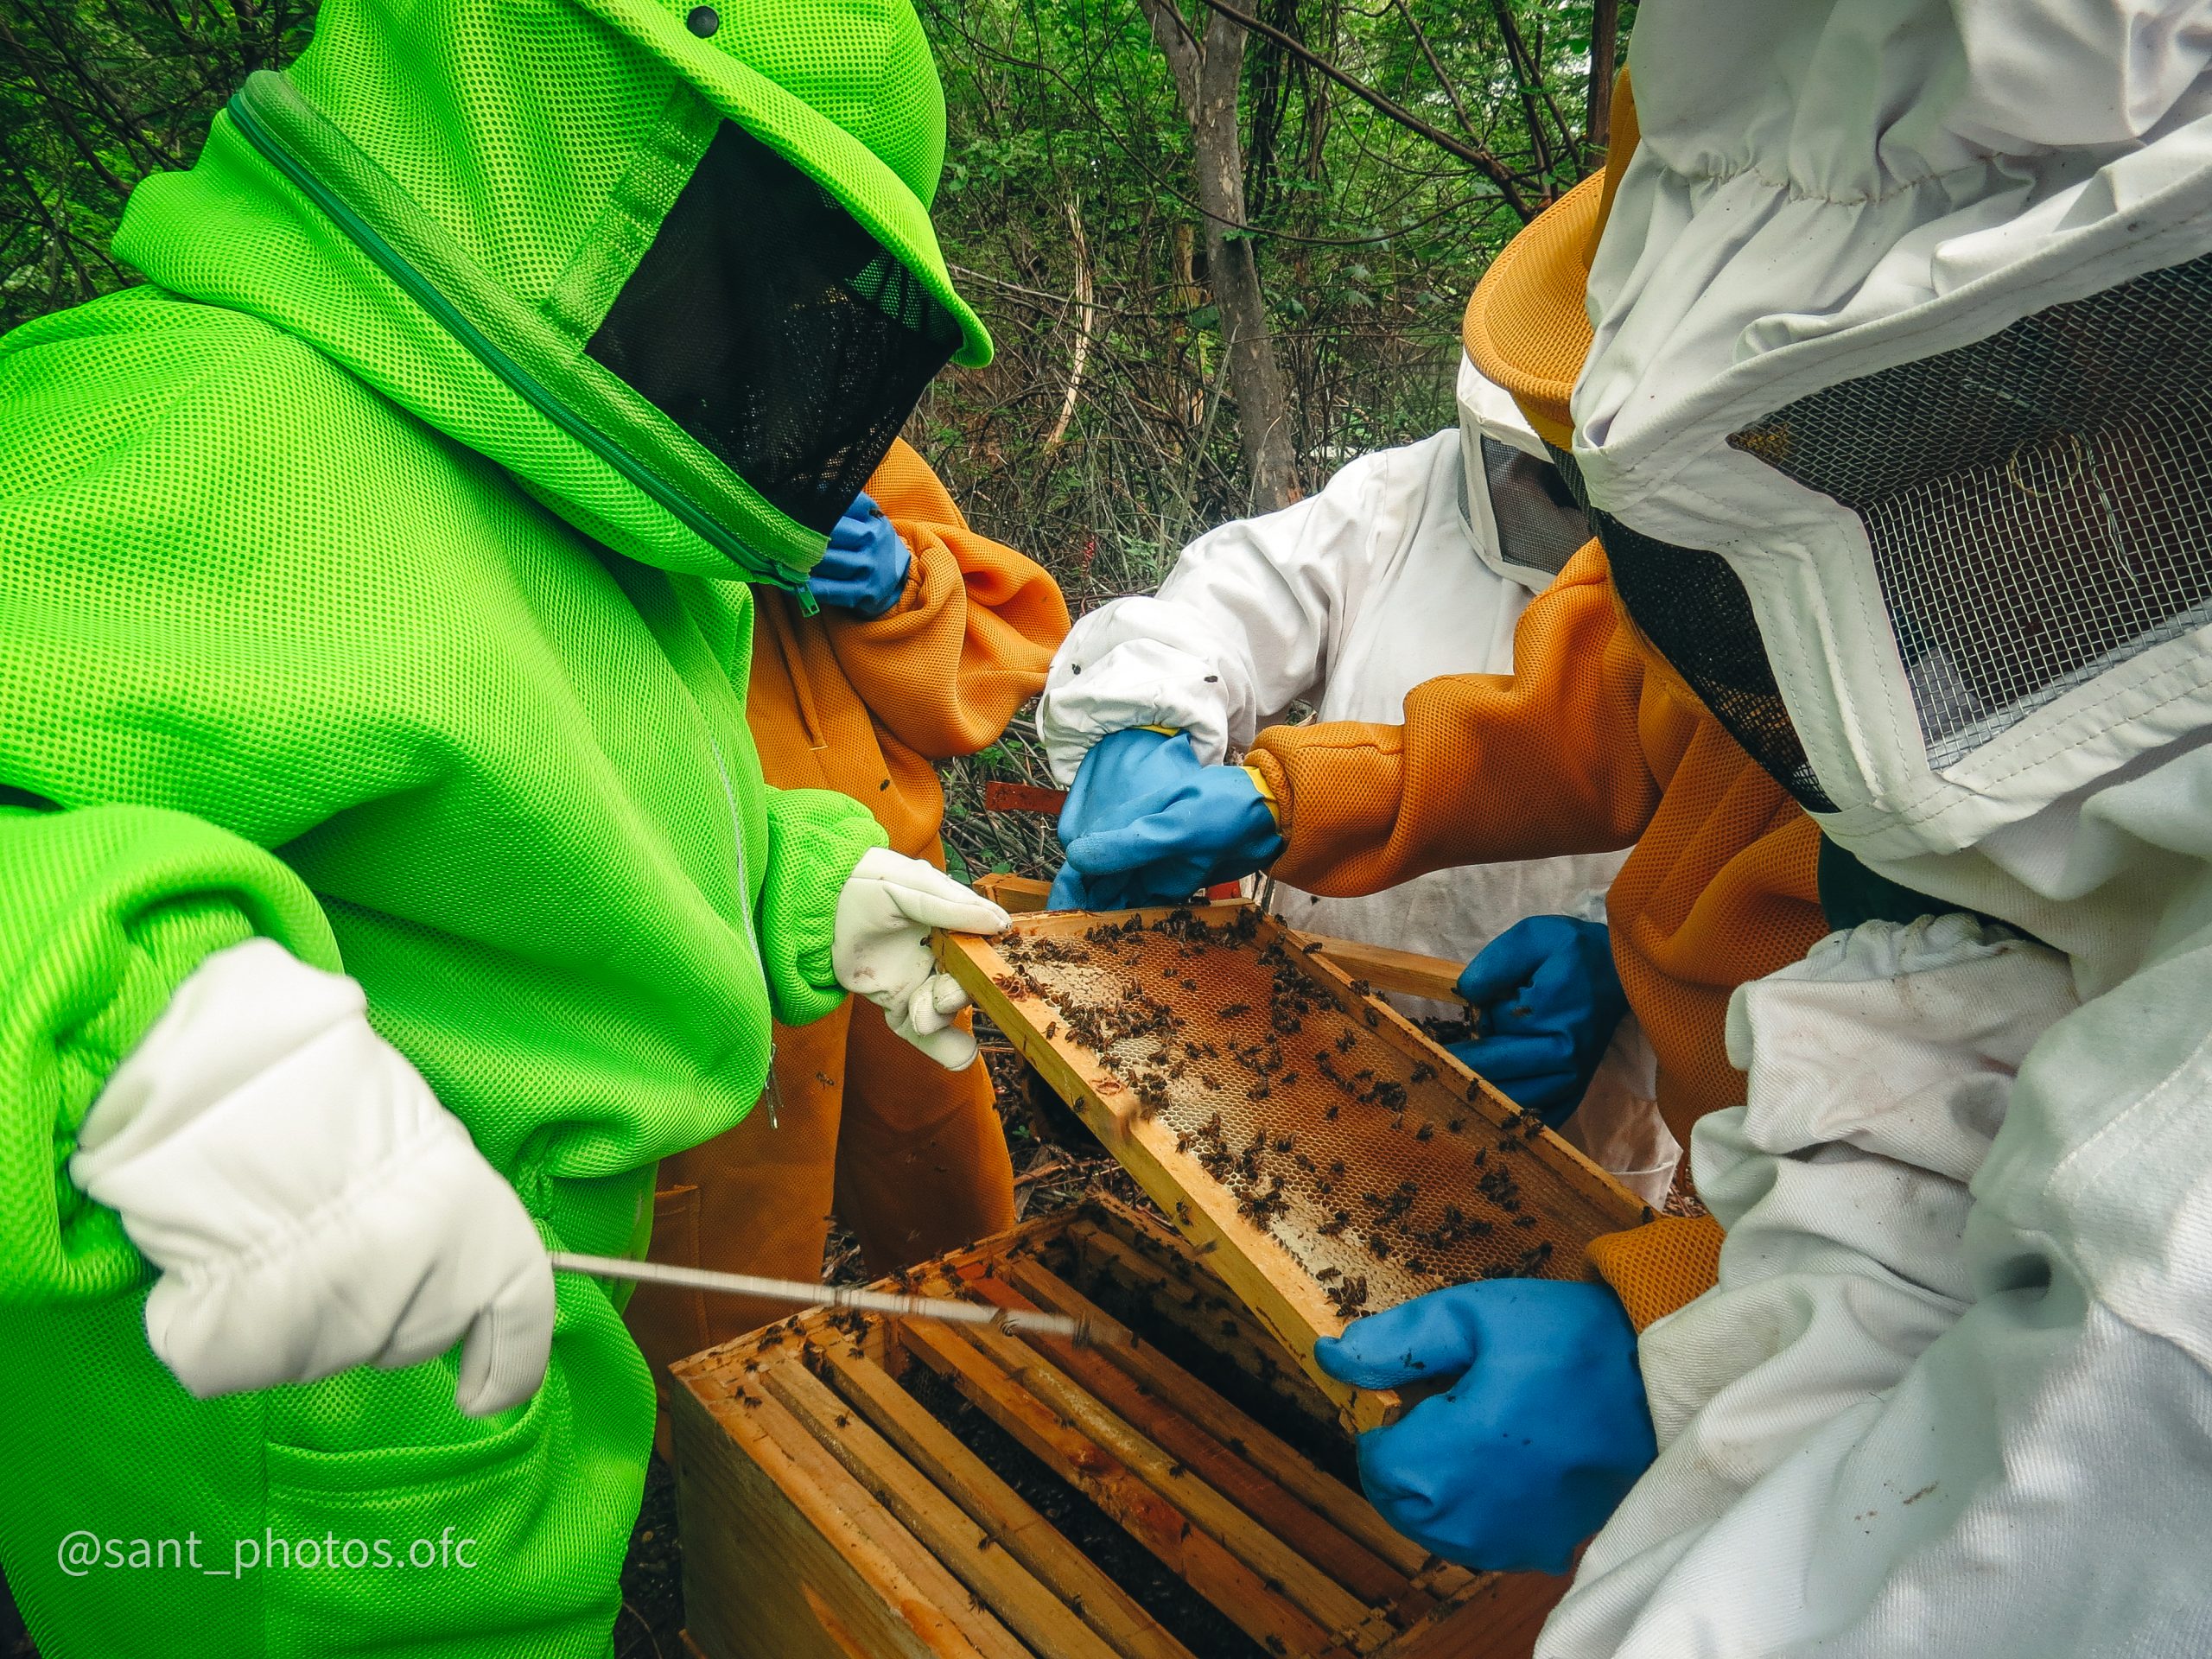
[{"x": 1222, "y": 251}]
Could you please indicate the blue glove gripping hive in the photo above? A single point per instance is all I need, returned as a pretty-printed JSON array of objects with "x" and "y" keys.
[
  {"x": 1543, "y": 1429},
  {"x": 1549, "y": 997},
  {"x": 1147, "y": 823}
]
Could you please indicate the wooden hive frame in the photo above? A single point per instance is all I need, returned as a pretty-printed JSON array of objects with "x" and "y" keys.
[
  {"x": 1383, "y": 967},
  {"x": 828, "y": 1512},
  {"x": 1557, "y": 1185}
]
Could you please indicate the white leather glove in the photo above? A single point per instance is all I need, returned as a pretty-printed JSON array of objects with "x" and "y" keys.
[
  {"x": 310, "y": 1205},
  {"x": 882, "y": 948}
]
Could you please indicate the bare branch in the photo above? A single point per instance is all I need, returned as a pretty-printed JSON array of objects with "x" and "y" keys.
[
  {"x": 1085, "y": 320},
  {"x": 1436, "y": 67},
  {"x": 1474, "y": 155},
  {"x": 59, "y": 109}
]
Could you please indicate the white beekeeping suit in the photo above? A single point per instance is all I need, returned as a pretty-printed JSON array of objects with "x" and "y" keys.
[
  {"x": 1898, "y": 429},
  {"x": 1345, "y": 602}
]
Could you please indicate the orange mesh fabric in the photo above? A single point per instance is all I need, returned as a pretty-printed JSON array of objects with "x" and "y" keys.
[
  {"x": 922, "y": 1163},
  {"x": 1659, "y": 1266},
  {"x": 1487, "y": 767},
  {"x": 864, "y": 706},
  {"x": 1525, "y": 327},
  {"x": 1579, "y": 750}
]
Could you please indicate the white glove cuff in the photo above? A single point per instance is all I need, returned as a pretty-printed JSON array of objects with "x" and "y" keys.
[
  {"x": 1141, "y": 661},
  {"x": 309, "y": 1202}
]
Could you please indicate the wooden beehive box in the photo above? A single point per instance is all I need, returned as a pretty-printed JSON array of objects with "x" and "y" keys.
[
  {"x": 1332, "y": 1160},
  {"x": 855, "y": 1488}
]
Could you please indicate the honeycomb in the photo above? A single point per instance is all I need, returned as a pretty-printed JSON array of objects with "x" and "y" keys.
[{"x": 1383, "y": 1174}]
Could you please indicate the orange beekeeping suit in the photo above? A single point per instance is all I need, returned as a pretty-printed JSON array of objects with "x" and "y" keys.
[
  {"x": 911, "y": 1155},
  {"x": 1592, "y": 743},
  {"x": 864, "y": 706},
  {"x": 1580, "y": 749}
]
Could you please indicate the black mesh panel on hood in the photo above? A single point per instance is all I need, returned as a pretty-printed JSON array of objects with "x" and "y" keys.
[
  {"x": 1694, "y": 610},
  {"x": 1540, "y": 523},
  {"x": 767, "y": 323}
]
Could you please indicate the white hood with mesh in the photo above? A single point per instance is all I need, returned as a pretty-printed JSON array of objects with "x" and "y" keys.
[
  {"x": 1523, "y": 520},
  {"x": 1897, "y": 313}
]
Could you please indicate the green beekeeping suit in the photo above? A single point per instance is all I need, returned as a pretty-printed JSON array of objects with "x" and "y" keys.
[{"x": 374, "y": 579}]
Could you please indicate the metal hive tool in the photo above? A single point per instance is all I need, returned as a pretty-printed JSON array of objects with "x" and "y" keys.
[{"x": 1333, "y": 1160}]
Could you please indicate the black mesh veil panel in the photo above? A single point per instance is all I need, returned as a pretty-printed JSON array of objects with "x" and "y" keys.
[
  {"x": 1540, "y": 523},
  {"x": 1694, "y": 610},
  {"x": 768, "y": 324},
  {"x": 2039, "y": 503}
]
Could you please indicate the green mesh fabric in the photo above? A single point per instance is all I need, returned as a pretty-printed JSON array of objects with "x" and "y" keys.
[
  {"x": 797, "y": 954},
  {"x": 846, "y": 89},
  {"x": 345, "y": 600},
  {"x": 101, "y": 1440},
  {"x": 288, "y": 660},
  {"x": 103, "y": 912}
]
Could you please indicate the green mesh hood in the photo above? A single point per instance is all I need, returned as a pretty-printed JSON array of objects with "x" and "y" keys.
[{"x": 448, "y": 196}]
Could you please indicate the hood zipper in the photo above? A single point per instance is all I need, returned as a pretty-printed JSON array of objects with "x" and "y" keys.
[{"x": 425, "y": 294}]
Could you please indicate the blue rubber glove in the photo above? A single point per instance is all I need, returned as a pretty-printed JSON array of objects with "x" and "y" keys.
[
  {"x": 865, "y": 567},
  {"x": 1536, "y": 1442},
  {"x": 1549, "y": 997},
  {"x": 1147, "y": 823}
]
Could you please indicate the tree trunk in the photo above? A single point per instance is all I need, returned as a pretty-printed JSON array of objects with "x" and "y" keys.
[
  {"x": 1209, "y": 74},
  {"x": 1605, "y": 35}
]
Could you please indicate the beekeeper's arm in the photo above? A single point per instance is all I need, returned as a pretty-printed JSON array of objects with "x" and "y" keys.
[
  {"x": 840, "y": 912},
  {"x": 1245, "y": 624},
  {"x": 1552, "y": 758},
  {"x": 967, "y": 632},
  {"x": 1565, "y": 755},
  {"x": 186, "y": 1072},
  {"x": 1951, "y": 1395}
]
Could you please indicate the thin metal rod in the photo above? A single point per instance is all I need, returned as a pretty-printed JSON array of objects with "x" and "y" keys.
[{"x": 1014, "y": 1321}]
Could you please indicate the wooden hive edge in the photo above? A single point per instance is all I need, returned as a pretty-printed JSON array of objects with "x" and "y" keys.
[
  {"x": 1434, "y": 1621},
  {"x": 993, "y": 1506},
  {"x": 844, "y": 1584},
  {"x": 1212, "y": 1467}
]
